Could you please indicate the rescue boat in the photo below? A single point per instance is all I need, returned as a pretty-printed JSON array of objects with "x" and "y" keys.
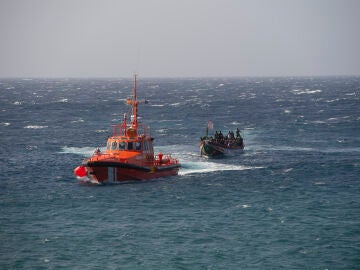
[{"x": 129, "y": 154}]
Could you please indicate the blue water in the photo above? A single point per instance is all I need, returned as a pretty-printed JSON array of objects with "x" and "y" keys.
[{"x": 290, "y": 200}]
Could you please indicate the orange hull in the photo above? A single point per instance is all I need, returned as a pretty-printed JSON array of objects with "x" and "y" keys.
[
  {"x": 128, "y": 166},
  {"x": 112, "y": 172}
]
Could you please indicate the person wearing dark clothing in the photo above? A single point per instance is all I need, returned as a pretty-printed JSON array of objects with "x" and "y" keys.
[{"x": 238, "y": 133}]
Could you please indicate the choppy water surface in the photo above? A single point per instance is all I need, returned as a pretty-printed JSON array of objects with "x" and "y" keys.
[{"x": 290, "y": 200}]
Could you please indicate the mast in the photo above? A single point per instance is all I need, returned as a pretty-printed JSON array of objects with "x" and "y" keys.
[{"x": 134, "y": 103}]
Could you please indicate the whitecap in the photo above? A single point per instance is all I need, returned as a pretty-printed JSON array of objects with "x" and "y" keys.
[
  {"x": 35, "y": 127},
  {"x": 163, "y": 131},
  {"x": 318, "y": 122},
  {"x": 306, "y": 91},
  {"x": 5, "y": 124},
  {"x": 319, "y": 183},
  {"x": 78, "y": 121},
  {"x": 83, "y": 151},
  {"x": 31, "y": 147},
  {"x": 18, "y": 103},
  {"x": 292, "y": 148},
  {"x": 287, "y": 111},
  {"x": 101, "y": 131},
  {"x": 332, "y": 100}
]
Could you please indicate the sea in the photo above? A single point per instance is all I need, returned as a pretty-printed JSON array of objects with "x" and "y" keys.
[{"x": 289, "y": 200}]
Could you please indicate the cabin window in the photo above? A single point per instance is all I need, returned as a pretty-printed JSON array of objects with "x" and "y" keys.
[
  {"x": 130, "y": 146},
  {"x": 114, "y": 145},
  {"x": 108, "y": 146},
  {"x": 138, "y": 145},
  {"x": 122, "y": 145}
]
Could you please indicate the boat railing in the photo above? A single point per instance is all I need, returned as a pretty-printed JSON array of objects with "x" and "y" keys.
[
  {"x": 165, "y": 160},
  {"x": 128, "y": 130}
]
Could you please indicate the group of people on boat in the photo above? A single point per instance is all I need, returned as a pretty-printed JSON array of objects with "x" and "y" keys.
[
  {"x": 229, "y": 140},
  {"x": 230, "y": 136}
]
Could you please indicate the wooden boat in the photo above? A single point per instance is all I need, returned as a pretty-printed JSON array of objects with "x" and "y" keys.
[
  {"x": 209, "y": 148},
  {"x": 220, "y": 145},
  {"x": 129, "y": 154}
]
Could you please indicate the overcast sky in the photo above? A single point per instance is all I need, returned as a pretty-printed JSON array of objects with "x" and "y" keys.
[{"x": 179, "y": 38}]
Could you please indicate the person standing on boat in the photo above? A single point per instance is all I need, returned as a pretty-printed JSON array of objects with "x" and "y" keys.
[{"x": 238, "y": 133}]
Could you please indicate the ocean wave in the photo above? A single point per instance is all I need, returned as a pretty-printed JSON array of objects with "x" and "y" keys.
[
  {"x": 78, "y": 121},
  {"x": 305, "y": 149},
  {"x": 305, "y": 91},
  {"x": 83, "y": 151},
  {"x": 35, "y": 127},
  {"x": 101, "y": 131},
  {"x": 63, "y": 100}
]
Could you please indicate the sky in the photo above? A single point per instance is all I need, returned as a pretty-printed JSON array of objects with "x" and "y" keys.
[{"x": 173, "y": 38}]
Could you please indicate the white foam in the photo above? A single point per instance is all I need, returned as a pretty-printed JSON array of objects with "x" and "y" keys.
[
  {"x": 332, "y": 100},
  {"x": 83, "y": 151},
  {"x": 192, "y": 167},
  {"x": 101, "y": 130},
  {"x": 5, "y": 124},
  {"x": 78, "y": 121},
  {"x": 35, "y": 127},
  {"x": 305, "y": 91}
]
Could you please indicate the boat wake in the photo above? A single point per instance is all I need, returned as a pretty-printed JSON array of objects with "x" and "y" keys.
[
  {"x": 195, "y": 167},
  {"x": 190, "y": 159}
]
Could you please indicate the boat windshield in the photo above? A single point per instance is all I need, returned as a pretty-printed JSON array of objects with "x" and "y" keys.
[
  {"x": 113, "y": 145},
  {"x": 130, "y": 146},
  {"x": 123, "y": 145},
  {"x": 138, "y": 145}
]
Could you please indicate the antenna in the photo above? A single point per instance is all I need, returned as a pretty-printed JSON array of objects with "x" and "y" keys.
[{"x": 135, "y": 103}]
